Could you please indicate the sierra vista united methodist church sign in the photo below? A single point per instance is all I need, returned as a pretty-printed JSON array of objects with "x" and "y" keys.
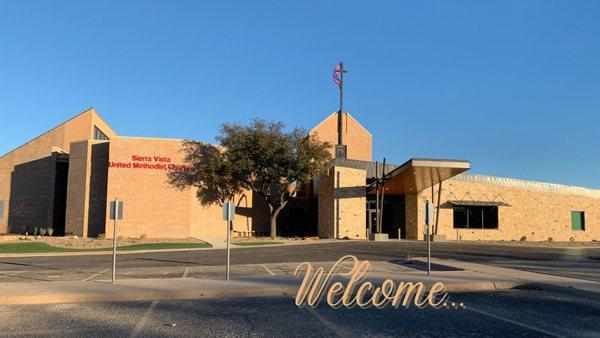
[{"x": 148, "y": 162}]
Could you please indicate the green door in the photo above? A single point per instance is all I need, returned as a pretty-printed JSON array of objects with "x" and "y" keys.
[{"x": 577, "y": 220}]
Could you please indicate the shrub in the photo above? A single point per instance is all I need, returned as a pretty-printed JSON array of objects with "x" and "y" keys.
[
  {"x": 550, "y": 239},
  {"x": 100, "y": 236},
  {"x": 523, "y": 239},
  {"x": 35, "y": 231},
  {"x": 50, "y": 231},
  {"x": 142, "y": 236},
  {"x": 572, "y": 239},
  {"x": 42, "y": 231}
]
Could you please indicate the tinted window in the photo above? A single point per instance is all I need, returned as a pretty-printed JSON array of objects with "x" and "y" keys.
[
  {"x": 475, "y": 217},
  {"x": 99, "y": 135}
]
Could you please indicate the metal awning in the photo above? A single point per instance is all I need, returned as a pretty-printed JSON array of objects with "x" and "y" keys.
[
  {"x": 480, "y": 203},
  {"x": 418, "y": 174}
]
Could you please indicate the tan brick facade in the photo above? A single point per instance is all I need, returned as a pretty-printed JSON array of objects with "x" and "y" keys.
[
  {"x": 537, "y": 211},
  {"x": 357, "y": 139},
  {"x": 35, "y": 191},
  {"x": 342, "y": 203},
  {"x": 27, "y": 174},
  {"x": 137, "y": 175}
]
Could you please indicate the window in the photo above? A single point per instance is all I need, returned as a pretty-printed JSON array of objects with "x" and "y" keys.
[
  {"x": 577, "y": 220},
  {"x": 475, "y": 217},
  {"x": 99, "y": 135},
  {"x": 1, "y": 209}
]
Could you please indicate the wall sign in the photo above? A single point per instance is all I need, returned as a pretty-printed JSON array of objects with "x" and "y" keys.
[{"x": 148, "y": 162}]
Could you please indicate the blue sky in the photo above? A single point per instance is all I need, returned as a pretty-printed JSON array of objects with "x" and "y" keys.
[{"x": 512, "y": 86}]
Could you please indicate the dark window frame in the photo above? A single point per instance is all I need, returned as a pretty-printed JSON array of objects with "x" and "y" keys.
[
  {"x": 100, "y": 135},
  {"x": 475, "y": 217}
]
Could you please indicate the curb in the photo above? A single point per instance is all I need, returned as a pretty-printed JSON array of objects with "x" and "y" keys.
[
  {"x": 95, "y": 253},
  {"x": 268, "y": 291},
  {"x": 272, "y": 291},
  {"x": 130, "y": 252}
]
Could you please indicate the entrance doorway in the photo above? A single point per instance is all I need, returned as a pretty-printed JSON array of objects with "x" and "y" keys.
[
  {"x": 60, "y": 196},
  {"x": 394, "y": 218}
]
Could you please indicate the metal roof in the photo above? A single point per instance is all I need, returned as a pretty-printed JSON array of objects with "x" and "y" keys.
[{"x": 480, "y": 203}]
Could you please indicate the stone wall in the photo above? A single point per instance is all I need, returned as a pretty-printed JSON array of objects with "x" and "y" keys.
[
  {"x": 342, "y": 203},
  {"x": 537, "y": 211}
]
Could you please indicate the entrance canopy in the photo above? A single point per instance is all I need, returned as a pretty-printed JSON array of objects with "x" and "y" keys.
[{"x": 418, "y": 174}]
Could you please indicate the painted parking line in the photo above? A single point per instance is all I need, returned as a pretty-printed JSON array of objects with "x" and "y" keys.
[
  {"x": 527, "y": 326},
  {"x": 139, "y": 326},
  {"x": 267, "y": 270},
  {"x": 338, "y": 331},
  {"x": 185, "y": 272},
  {"x": 12, "y": 273},
  {"x": 95, "y": 275}
]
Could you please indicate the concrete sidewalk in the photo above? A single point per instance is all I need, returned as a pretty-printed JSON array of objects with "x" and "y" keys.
[{"x": 524, "y": 277}]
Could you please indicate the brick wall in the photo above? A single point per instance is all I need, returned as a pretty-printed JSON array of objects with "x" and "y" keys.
[
  {"x": 533, "y": 212},
  {"x": 357, "y": 139},
  {"x": 342, "y": 203},
  {"x": 154, "y": 208}
]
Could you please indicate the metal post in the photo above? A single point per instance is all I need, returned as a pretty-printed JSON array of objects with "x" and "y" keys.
[
  {"x": 114, "y": 261},
  {"x": 427, "y": 222},
  {"x": 228, "y": 239},
  {"x": 382, "y": 196},
  {"x": 376, "y": 198},
  {"x": 428, "y": 251}
]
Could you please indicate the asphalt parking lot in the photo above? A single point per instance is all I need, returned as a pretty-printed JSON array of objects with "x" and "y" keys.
[
  {"x": 576, "y": 262},
  {"x": 205, "y": 272},
  {"x": 504, "y": 314}
]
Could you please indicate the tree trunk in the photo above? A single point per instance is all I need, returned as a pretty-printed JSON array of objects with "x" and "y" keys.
[
  {"x": 273, "y": 226},
  {"x": 274, "y": 214}
]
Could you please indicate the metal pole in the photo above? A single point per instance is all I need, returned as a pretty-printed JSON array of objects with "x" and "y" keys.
[
  {"x": 428, "y": 251},
  {"x": 228, "y": 239},
  {"x": 340, "y": 122},
  {"x": 437, "y": 209},
  {"x": 427, "y": 222},
  {"x": 376, "y": 199},
  {"x": 382, "y": 195},
  {"x": 114, "y": 260}
]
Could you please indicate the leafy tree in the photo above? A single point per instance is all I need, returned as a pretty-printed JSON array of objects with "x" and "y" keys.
[
  {"x": 261, "y": 156},
  {"x": 272, "y": 162},
  {"x": 208, "y": 171}
]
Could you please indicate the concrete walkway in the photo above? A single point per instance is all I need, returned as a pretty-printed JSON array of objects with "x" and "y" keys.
[
  {"x": 217, "y": 242},
  {"x": 524, "y": 277}
]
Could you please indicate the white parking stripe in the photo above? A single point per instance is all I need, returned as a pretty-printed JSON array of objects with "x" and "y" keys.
[
  {"x": 95, "y": 275},
  {"x": 339, "y": 332},
  {"x": 267, "y": 270},
  {"x": 514, "y": 322},
  {"x": 137, "y": 329}
]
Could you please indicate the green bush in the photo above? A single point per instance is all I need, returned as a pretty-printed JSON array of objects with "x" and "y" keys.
[{"x": 100, "y": 236}]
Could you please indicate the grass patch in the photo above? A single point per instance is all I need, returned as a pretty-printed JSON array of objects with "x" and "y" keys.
[
  {"x": 256, "y": 243},
  {"x": 37, "y": 247}
]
